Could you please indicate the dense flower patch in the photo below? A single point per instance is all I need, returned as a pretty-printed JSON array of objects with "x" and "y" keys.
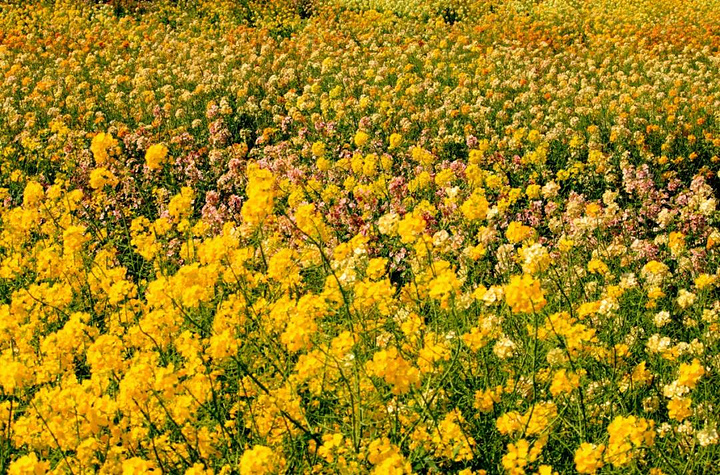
[{"x": 360, "y": 236}]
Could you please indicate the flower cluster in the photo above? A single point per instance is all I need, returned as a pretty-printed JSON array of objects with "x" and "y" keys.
[{"x": 359, "y": 236}]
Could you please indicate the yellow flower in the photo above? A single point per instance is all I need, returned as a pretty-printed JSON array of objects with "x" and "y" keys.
[
  {"x": 705, "y": 280},
  {"x": 626, "y": 435},
  {"x": 444, "y": 177},
  {"x": 486, "y": 399},
  {"x": 411, "y": 227},
  {"x": 376, "y": 268},
  {"x": 539, "y": 417},
  {"x": 444, "y": 285},
  {"x": 535, "y": 420},
  {"x": 509, "y": 423},
  {"x": 546, "y": 470},
  {"x": 395, "y": 140},
  {"x": 517, "y": 457},
  {"x": 493, "y": 181},
  {"x": 655, "y": 271},
  {"x": 655, "y": 293},
  {"x": 360, "y": 138},
  {"x": 323, "y": 164},
  {"x": 100, "y": 145},
  {"x": 691, "y": 373},
  {"x": 451, "y": 441},
  {"x": 676, "y": 243},
  {"x": 318, "y": 149},
  {"x": 476, "y": 206},
  {"x": 524, "y": 295},
  {"x": 533, "y": 191},
  {"x": 679, "y": 408},
  {"x": 311, "y": 222},
  {"x": 431, "y": 353},
  {"x": 302, "y": 324},
  {"x": 387, "y": 459},
  {"x": 283, "y": 269},
  {"x": 641, "y": 375},
  {"x": 74, "y": 238},
  {"x": 260, "y": 193},
  {"x": 34, "y": 193},
  {"x": 588, "y": 458},
  {"x": 394, "y": 369},
  {"x": 596, "y": 266},
  {"x": 564, "y": 244},
  {"x": 101, "y": 177},
  {"x": 369, "y": 167},
  {"x": 259, "y": 460},
  {"x": 155, "y": 156},
  {"x": 28, "y": 464},
  {"x": 180, "y": 205},
  {"x": 564, "y": 382},
  {"x": 517, "y": 232},
  {"x": 137, "y": 466}
]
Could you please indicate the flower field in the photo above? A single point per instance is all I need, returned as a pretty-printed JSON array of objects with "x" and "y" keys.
[{"x": 360, "y": 237}]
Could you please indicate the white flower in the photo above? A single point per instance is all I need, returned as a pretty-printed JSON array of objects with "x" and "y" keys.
[
  {"x": 707, "y": 436},
  {"x": 685, "y": 298},
  {"x": 504, "y": 348},
  {"x": 662, "y": 318}
]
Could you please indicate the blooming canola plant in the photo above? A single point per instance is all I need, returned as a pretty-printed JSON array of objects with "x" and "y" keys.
[{"x": 359, "y": 236}]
